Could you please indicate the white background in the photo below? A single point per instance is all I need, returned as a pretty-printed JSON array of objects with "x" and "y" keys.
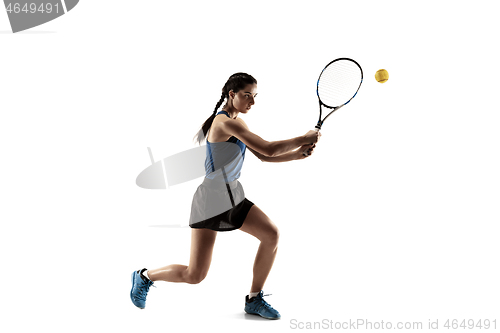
[{"x": 394, "y": 217}]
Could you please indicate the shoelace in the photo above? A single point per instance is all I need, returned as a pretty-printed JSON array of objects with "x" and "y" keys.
[
  {"x": 264, "y": 303},
  {"x": 143, "y": 291}
]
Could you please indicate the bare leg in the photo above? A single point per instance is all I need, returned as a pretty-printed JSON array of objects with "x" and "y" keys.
[
  {"x": 259, "y": 225},
  {"x": 202, "y": 244}
]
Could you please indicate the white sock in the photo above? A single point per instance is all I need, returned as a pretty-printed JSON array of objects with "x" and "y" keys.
[
  {"x": 145, "y": 273},
  {"x": 253, "y": 294}
]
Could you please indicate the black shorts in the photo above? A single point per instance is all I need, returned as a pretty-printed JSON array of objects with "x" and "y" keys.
[{"x": 217, "y": 207}]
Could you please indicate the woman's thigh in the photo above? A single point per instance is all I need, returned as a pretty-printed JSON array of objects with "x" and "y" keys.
[
  {"x": 258, "y": 224},
  {"x": 202, "y": 245}
]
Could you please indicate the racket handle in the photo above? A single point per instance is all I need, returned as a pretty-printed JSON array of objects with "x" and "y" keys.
[{"x": 305, "y": 153}]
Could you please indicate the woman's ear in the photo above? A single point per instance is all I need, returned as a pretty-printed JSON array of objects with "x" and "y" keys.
[{"x": 231, "y": 94}]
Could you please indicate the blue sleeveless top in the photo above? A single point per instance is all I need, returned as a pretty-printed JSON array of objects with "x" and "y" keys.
[{"x": 224, "y": 160}]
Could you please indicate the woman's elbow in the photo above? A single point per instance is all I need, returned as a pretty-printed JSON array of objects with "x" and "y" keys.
[
  {"x": 270, "y": 150},
  {"x": 262, "y": 157}
]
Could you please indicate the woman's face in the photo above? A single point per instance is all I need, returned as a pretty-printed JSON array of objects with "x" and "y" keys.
[{"x": 245, "y": 98}]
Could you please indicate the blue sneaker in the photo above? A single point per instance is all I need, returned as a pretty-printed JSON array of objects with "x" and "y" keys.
[
  {"x": 257, "y": 305},
  {"x": 140, "y": 288}
]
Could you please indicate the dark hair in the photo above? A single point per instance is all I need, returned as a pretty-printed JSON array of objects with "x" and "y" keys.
[{"x": 236, "y": 82}]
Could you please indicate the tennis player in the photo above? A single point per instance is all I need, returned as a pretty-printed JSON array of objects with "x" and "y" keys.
[{"x": 219, "y": 203}]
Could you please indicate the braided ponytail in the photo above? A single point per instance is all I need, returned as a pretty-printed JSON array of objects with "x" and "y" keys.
[
  {"x": 222, "y": 97},
  {"x": 236, "y": 82}
]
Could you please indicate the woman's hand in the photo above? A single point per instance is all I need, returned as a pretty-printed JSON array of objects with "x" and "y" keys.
[
  {"x": 308, "y": 149},
  {"x": 312, "y": 137}
]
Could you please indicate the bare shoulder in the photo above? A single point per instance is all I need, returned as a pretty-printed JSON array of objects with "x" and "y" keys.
[
  {"x": 217, "y": 130},
  {"x": 234, "y": 124}
]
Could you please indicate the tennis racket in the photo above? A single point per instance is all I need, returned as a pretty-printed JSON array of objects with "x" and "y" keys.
[{"x": 337, "y": 85}]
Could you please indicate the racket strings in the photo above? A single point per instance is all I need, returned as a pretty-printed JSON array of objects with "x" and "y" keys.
[{"x": 339, "y": 82}]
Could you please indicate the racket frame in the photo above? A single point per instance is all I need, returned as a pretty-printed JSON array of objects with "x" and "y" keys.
[
  {"x": 320, "y": 122},
  {"x": 334, "y": 108}
]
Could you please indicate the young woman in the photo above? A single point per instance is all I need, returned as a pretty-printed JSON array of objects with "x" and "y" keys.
[{"x": 219, "y": 203}]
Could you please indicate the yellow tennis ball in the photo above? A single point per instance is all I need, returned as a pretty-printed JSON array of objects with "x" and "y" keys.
[{"x": 382, "y": 76}]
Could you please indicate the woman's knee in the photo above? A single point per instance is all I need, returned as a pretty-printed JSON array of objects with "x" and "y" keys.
[
  {"x": 194, "y": 276},
  {"x": 271, "y": 236},
  {"x": 261, "y": 226}
]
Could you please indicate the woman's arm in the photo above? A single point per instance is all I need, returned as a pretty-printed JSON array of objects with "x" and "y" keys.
[
  {"x": 238, "y": 128},
  {"x": 290, "y": 156}
]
